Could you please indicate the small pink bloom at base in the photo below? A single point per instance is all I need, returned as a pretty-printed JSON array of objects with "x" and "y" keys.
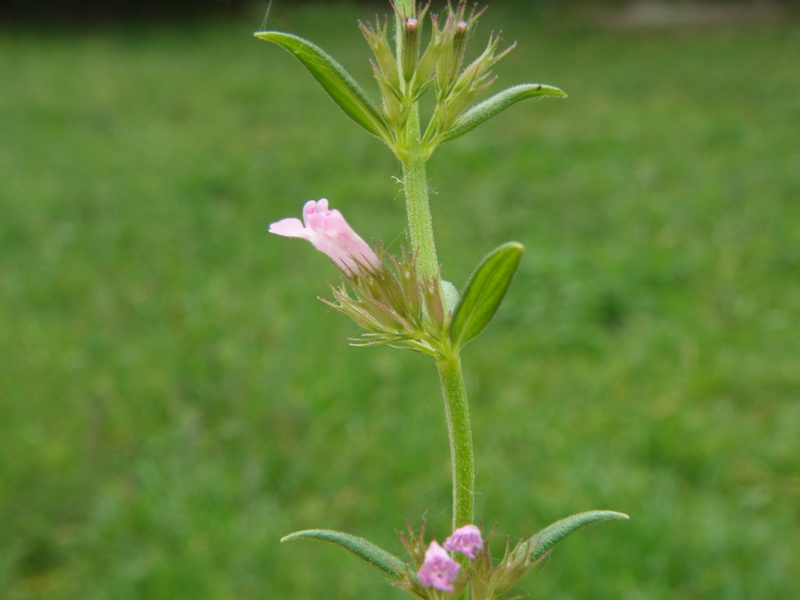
[
  {"x": 438, "y": 570},
  {"x": 328, "y": 231},
  {"x": 466, "y": 540}
]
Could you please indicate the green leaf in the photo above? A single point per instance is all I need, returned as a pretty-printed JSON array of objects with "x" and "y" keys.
[
  {"x": 497, "y": 104},
  {"x": 335, "y": 80},
  {"x": 547, "y": 538},
  {"x": 484, "y": 292},
  {"x": 363, "y": 549}
]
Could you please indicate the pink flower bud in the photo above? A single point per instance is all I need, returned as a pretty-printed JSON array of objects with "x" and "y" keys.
[
  {"x": 438, "y": 569},
  {"x": 327, "y": 230},
  {"x": 466, "y": 540}
]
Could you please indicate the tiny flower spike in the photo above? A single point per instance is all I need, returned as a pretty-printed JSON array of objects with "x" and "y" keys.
[
  {"x": 466, "y": 540},
  {"x": 328, "y": 231},
  {"x": 438, "y": 570}
]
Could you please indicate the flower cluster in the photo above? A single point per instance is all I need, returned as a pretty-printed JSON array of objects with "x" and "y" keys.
[
  {"x": 404, "y": 79},
  {"x": 435, "y": 566},
  {"x": 439, "y": 570},
  {"x": 383, "y": 294}
]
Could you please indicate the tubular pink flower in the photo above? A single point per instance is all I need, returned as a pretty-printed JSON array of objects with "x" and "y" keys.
[
  {"x": 466, "y": 540},
  {"x": 328, "y": 231},
  {"x": 438, "y": 569}
]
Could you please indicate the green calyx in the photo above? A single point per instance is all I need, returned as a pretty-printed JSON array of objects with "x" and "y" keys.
[{"x": 397, "y": 306}]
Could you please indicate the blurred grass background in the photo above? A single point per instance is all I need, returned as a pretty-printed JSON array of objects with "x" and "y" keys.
[{"x": 174, "y": 399}]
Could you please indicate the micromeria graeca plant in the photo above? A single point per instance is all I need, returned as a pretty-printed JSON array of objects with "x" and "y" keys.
[{"x": 402, "y": 301}]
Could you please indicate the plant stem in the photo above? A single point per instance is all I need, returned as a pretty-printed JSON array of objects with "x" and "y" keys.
[
  {"x": 453, "y": 391},
  {"x": 420, "y": 228},
  {"x": 418, "y": 210},
  {"x": 460, "y": 433}
]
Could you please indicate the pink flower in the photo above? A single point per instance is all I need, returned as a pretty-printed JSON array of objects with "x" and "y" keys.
[
  {"x": 467, "y": 540},
  {"x": 330, "y": 234},
  {"x": 438, "y": 569}
]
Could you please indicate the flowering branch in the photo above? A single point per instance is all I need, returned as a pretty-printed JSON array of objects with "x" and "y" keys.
[{"x": 402, "y": 301}]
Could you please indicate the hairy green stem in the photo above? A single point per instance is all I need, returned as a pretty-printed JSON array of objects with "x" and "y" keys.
[
  {"x": 420, "y": 230},
  {"x": 418, "y": 210},
  {"x": 415, "y": 179},
  {"x": 453, "y": 391},
  {"x": 460, "y": 433}
]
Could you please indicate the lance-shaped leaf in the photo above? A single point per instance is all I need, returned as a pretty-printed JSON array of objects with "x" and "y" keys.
[
  {"x": 363, "y": 549},
  {"x": 541, "y": 543},
  {"x": 335, "y": 80},
  {"x": 484, "y": 292},
  {"x": 497, "y": 104}
]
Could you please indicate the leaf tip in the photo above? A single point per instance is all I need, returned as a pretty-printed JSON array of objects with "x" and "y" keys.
[
  {"x": 514, "y": 250},
  {"x": 515, "y": 246}
]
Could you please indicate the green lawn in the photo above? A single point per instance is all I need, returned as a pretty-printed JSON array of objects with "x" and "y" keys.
[{"x": 174, "y": 399}]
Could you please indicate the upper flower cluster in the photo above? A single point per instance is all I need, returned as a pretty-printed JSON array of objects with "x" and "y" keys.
[
  {"x": 404, "y": 78},
  {"x": 405, "y": 69}
]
